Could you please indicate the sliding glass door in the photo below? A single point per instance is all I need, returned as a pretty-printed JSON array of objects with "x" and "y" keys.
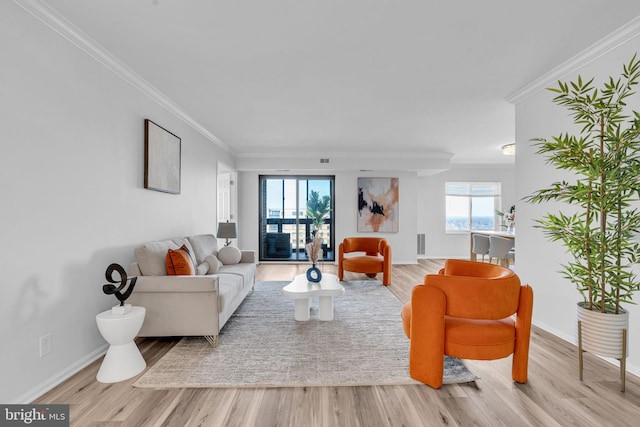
[{"x": 292, "y": 210}]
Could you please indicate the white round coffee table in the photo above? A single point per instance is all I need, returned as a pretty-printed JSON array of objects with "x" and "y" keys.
[
  {"x": 301, "y": 290},
  {"x": 123, "y": 359}
]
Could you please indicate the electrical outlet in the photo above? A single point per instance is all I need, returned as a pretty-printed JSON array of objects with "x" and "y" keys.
[{"x": 45, "y": 344}]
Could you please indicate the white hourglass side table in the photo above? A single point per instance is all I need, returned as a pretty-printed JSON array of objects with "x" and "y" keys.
[{"x": 123, "y": 359}]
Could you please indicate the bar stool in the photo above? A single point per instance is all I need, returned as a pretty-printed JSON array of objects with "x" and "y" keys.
[
  {"x": 480, "y": 245},
  {"x": 499, "y": 248}
]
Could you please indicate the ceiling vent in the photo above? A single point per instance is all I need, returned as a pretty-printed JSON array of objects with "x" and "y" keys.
[{"x": 324, "y": 160}]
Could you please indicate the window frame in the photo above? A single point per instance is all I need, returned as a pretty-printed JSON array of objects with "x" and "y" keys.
[
  {"x": 497, "y": 202},
  {"x": 298, "y": 220}
]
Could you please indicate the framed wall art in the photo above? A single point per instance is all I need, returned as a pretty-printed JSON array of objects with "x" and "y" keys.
[
  {"x": 378, "y": 204},
  {"x": 161, "y": 159}
]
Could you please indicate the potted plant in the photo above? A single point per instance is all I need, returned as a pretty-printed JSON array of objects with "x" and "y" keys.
[
  {"x": 509, "y": 219},
  {"x": 600, "y": 228},
  {"x": 318, "y": 209}
]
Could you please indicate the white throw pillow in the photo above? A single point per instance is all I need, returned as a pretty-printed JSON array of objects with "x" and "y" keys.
[
  {"x": 229, "y": 255},
  {"x": 213, "y": 263},
  {"x": 202, "y": 269}
]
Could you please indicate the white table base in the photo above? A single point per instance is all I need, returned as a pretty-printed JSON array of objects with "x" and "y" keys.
[
  {"x": 121, "y": 363},
  {"x": 325, "y": 308},
  {"x": 123, "y": 359},
  {"x": 302, "y": 309}
]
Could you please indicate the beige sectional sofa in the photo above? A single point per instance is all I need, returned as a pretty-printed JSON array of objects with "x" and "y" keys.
[{"x": 196, "y": 305}]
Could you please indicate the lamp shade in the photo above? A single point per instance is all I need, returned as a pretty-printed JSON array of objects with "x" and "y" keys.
[{"x": 227, "y": 230}]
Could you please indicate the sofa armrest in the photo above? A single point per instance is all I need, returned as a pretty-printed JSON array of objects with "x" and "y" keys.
[
  {"x": 176, "y": 284},
  {"x": 248, "y": 256},
  {"x": 178, "y": 305}
]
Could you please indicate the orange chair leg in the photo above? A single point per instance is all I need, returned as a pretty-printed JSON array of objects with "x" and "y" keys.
[
  {"x": 340, "y": 256},
  {"x": 426, "y": 352},
  {"x": 520, "y": 365},
  {"x": 386, "y": 266},
  {"x": 386, "y": 276}
]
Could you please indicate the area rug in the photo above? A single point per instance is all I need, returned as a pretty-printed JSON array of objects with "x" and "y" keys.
[{"x": 263, "y": 346}]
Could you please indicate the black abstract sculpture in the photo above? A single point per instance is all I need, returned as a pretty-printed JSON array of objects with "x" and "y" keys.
[{"x": 111, "y": 289}]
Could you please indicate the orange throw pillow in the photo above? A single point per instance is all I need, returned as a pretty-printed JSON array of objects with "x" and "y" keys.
[{"x": 179, "y": 262}]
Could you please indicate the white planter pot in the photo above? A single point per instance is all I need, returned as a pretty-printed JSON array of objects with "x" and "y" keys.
[{"x": 602, "y": 332}]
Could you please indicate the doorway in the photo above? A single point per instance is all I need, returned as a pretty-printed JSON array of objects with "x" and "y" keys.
[{"x": 292, "y": 210}]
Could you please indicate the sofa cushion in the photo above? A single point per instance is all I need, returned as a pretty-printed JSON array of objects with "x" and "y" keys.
[
  {"x": 183, "y": 241},
  {"x": 203, "y": 245},
  {"x": 151, "y": 257},
  {"x": 213, "y": 264},
  {"x": 229, "y": 286},
  {"x": 179, "y": 262},
  {"x": 245, "y": 270},
  {"x": 229, "y": 255}
]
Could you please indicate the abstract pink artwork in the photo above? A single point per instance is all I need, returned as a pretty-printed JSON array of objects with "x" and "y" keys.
[{"x": 378, "y": 204}]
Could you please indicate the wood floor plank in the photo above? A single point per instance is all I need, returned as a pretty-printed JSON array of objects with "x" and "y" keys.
[
  {"x": 245, "y": 409},
  {"x": 418, "y": 404},
  {"x": 524, "y": 410},
  {"x": 216, "y": 402},
  {"x": 369, "y": 407},
  {"x": 293, "y": 406},
  {"x": 553, "y": 396},
  {"x": 344, "y": 408}
]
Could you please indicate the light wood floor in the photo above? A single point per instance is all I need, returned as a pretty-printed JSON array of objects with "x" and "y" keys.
[{"x": 554, "y": 396}]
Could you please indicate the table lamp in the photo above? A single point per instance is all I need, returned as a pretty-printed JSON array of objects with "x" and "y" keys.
[{"x": 227, "y": 230}]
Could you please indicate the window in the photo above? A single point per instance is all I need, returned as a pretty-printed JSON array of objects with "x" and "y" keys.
[
  {"x": 471, "y": 205},
  {"x": 285, "y": 227}
]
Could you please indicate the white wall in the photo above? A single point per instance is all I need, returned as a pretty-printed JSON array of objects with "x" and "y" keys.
[
  {"x": 71, "y": 181},
  {"x": 346, "y": 205},
  {"x": 403, "y": 242},
  {"x": 431, "y": 206},
  {"x": 538, "y": 259},
  {"x": 422, "y": 209}
]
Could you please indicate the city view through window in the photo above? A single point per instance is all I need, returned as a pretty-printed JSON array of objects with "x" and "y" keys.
[
  {"x": 286, "y": 223},
  {"x": 472, "y": 206}
]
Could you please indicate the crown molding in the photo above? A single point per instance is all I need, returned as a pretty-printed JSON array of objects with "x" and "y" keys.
[
  {"x": 614, "y": 40},
  {"x": 275, "y": 154},
  {"x": 58, "y": 23}
]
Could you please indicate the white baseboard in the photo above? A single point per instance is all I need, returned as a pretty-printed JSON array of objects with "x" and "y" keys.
[
  {"x": 404, "y": 262},
  {"x": 443, "y": 257},
  {"x": 60, "y": 377}
]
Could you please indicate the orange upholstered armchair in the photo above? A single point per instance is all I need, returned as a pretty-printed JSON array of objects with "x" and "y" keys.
[
  {"x": 376, "y": 258},
  {"x": 467, "y": 311}
]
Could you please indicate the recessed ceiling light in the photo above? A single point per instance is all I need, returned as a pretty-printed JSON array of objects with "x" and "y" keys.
[{"x": 509, "y": 149}]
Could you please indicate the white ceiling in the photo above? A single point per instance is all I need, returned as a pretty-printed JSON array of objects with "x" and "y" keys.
[{"x": 394, "y": 78}]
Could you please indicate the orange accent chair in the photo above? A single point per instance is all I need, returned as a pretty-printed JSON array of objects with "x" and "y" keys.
[
  {"x": 467, "y": 311},
  {"x": 376, "y": 258}
]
